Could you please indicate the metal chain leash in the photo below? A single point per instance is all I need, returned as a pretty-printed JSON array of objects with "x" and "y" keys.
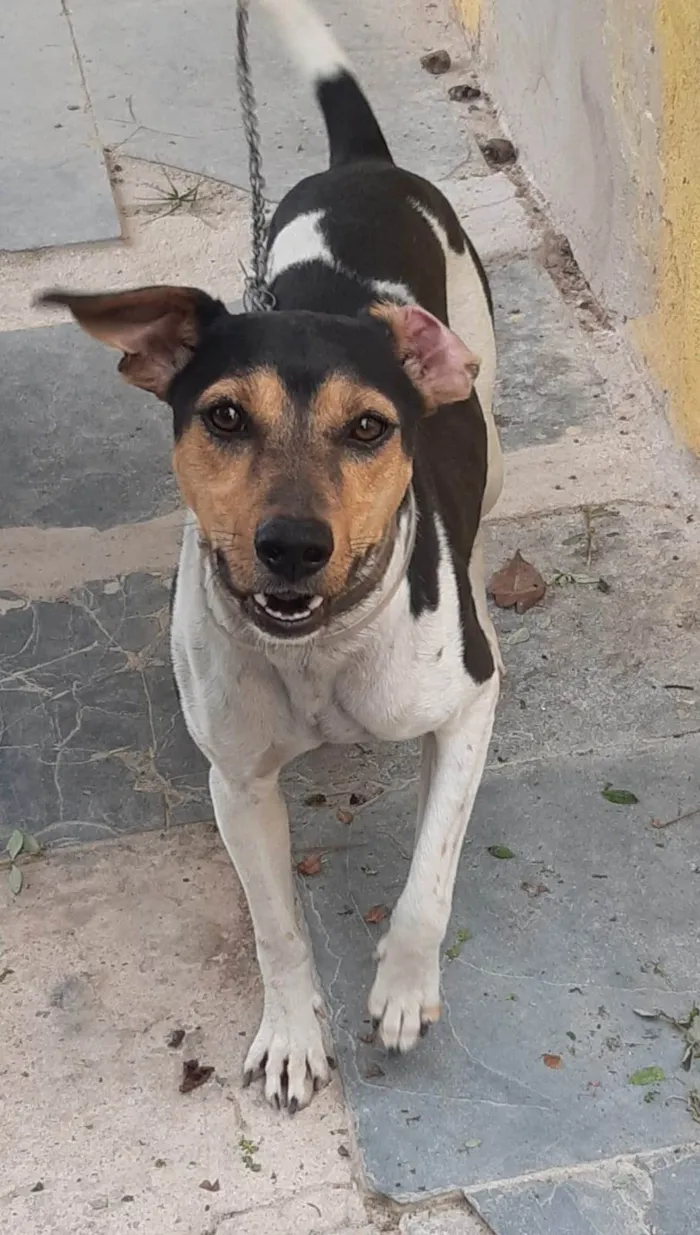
[{"x": 257, "y": 296}]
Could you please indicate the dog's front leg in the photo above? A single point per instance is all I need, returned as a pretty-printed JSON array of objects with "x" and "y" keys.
[
  {"x": 405, "y": 998},
  {"x": 253, "y": 822}
]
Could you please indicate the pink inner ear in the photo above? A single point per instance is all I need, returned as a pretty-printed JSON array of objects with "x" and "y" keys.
[{"x": 440, "y": 364}]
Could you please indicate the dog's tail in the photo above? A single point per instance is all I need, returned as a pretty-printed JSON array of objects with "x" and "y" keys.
[{"x": 352, "y": 127}]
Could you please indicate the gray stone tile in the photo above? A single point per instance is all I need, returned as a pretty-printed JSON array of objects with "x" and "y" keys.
[
  {"x": 546, "y": 380},
  {"x": 600, "y": 670},
  {"x": 558, "y": 973},
  {"x": 675, "y": 1205},
  {"x": 92, "y": 743},
  {"x": 80, "y": 447},
  {"x": 170, "y": 94},
  {"x": 657, "y": 1193},
  {"x": 55, "y": 188}
]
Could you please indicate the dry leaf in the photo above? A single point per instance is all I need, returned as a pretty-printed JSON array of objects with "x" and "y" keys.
[
  {"x": 517, "y": 583},
  {"x": 551, "y": 1061},
  {"x": 310, "y": 865},
  {"x": 208, "y": 1186},
  {"x": 316, "y": 799},
  {"x": 373, "y": 1072},
  {"x": 437, "y": 62},
  {"x": 194, "y": 1075},
  {"x": 15, "y": 844},
  {"x": 175, "y": 1038},
  {"x": 534, "y": 889},
  {"x": 376, "y": 914},
  {"x": 344, "y": 816}
]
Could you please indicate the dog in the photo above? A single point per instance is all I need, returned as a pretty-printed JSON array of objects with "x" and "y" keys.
[{"x": 336, "y": 457}]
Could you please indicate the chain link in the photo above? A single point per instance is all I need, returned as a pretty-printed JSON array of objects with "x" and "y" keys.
[{"x": 257, "y": 296}]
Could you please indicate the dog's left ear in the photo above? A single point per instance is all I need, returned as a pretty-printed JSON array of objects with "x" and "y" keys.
[
  {"x": 157, "y": 328},
  {"x": 434, "y": 357}
]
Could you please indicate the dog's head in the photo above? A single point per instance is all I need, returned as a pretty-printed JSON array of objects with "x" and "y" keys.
[{"x": 294, "y": 432}]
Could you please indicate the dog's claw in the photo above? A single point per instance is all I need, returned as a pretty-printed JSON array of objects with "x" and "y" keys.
[
  {"x": 331, "y": 1063},
  {"x": 425, "y": 1028},
  {"x": 247, "y": 1077},
  {"x": 293, "y": 1106}
]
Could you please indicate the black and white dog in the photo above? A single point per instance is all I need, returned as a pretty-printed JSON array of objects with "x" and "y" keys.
[{"x": 336, "y": 457}]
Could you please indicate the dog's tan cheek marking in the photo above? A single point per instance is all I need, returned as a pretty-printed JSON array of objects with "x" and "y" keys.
[
  {"x": 371, "y": 492},
  {"x": 219, "y": 486},
  {"x": 363, "y": 493}
]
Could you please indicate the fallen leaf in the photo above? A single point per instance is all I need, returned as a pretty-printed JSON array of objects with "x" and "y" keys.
[
  {"x": 647, "y": 1076},
  {"x": 467, "y": 1145},
  {"x": 194, "y": 1074},
  {"x": 619, "y": 797},
  {"x": 521, "y": 635},
  {"x": 458, "y": 93},
  {"x": 316, "y": 799},
  {"x": 343, "y": 1151},
  {"x": 344, "y": 816},
  {"x": 367, "y": 1038},
  {"x": 310, "y": 865},
  {"x": 461, "y": 937},
  {"x": 15, "y": 880},
  {"x": 551, "y": 1061},
  {"x": 14, "y": 844},
  {"x": 517, "y": 583},
  {"x": 30, "y": 844},
  {"x": 208, "y": 1186},
  {"x": 436, "y": 62},
  {"x": 647, "y": 1015},
  {"x": 5, "y": 973},
  {"x": 498, "y": 150},
  {"x": 376, "y": 914},
  {"x": 357, "y": 799},
  {"x": 501, "y": 851},
  {"x": 175, "y": 1038},
  {"x": 694, "y": 1104},
  {"x": 374, "y": 1071},
  {"x": 38, "y": 1186},
  {"x": 534, "y": 889}
]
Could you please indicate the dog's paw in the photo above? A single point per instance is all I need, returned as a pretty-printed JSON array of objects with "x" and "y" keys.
[
  {"x": 289, "y": 1049},
  {"x": 405, "y": 999}
]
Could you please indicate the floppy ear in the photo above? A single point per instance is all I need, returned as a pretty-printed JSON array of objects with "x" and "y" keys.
[
  {"x": 436, "y": 360},
  {"x": 157, "y": 328}
]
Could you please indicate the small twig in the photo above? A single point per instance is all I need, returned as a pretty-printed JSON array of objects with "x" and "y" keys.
[{"x": 688, "y": 814}]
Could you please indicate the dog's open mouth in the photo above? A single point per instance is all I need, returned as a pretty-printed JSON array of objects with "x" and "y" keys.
[{"x": 287, "y": 615}]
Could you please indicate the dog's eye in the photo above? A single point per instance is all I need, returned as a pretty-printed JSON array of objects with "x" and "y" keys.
[
  {"x": 369, "y": 429},
  {"x": 225, "y": 419}
]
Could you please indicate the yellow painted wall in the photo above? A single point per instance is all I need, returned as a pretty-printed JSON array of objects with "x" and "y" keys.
[
  {"x": 673, "y": 345},
  {"x": 469, "y": 13},
  {"x": 652, "y": 52}
]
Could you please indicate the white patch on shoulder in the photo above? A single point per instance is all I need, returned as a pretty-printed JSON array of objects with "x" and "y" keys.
[
  {"x": 398, "y": 293},
  {"x": 303, "y": 241},
  {"x": 300, "y": 241}
]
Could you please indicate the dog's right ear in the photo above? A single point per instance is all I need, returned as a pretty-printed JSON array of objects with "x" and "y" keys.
[{"x": 157, "y": 328}]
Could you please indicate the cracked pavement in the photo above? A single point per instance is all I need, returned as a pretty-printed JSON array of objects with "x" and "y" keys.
[{"x": 516, "y": 1116}]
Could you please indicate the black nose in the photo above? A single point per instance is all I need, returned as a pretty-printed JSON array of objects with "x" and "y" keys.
[{"x": 293, "y": 548}]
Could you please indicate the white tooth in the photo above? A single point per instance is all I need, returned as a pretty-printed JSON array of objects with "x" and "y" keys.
[
  {"x": 259, "y": 599},
  {"x": 315, "y": 601}
]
